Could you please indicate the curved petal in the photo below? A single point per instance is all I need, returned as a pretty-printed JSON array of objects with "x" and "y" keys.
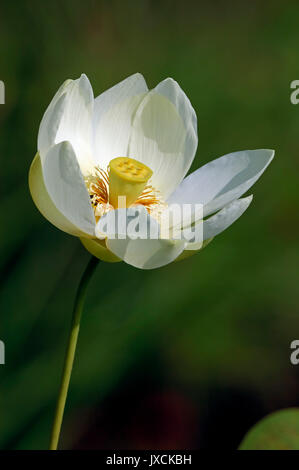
[
  {"x": 190, "y": 251},
  {"x": 43, "y": 201},
  {"x": 221, "y": 221},
  {"x": 132, "y": 235},
  {"x": 68, "y": 117},
  {"x": 65, "y": 185},
  {"x": 51, "y": 119},
  {"x": 221, "y": 181},
  {"x": 164, "y": 135},
  {"x": 99, "y": 250},
  {"x": 113, "y": 113},
  {"x": 146, "y": 254}
]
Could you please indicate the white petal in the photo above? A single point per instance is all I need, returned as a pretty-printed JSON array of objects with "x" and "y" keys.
[
  {"x": 193, "y": 248},
  {"x": 113, "y": 113},
  {"x": 43, "y": 201},
  {"x": 144, "y": 253},
  {"x": 99, "y": 250},
  {"x": 65, "y": 185},
  {"x": 51, "y": 119},
  {"x": 68, "y": 117},
  {"x": 221, "y": 181},
  {"x": 222, "y": 220},
  {"x": 164, "y": 135}
]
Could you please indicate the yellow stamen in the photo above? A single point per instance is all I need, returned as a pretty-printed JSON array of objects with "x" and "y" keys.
[
  {"x": 127, "y": 178},
  {"x": 98, "y": 184}
]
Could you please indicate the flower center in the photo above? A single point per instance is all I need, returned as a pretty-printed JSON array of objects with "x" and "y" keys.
[{"x": 127, "y": 180}]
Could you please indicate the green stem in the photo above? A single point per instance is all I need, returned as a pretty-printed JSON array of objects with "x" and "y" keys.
[{"x": 70, "y": 352}]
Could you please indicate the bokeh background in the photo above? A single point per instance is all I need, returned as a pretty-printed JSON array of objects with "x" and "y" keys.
[{"x": 189, "y": 356}]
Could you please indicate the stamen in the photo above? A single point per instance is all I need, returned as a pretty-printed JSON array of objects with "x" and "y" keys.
[{"x": 99, "y": 185}]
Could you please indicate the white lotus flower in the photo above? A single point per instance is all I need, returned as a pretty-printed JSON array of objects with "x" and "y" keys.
[{"x": 84, "y": 144}]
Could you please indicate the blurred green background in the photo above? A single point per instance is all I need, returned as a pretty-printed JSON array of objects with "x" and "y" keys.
[{"x": 193, "y": 354}]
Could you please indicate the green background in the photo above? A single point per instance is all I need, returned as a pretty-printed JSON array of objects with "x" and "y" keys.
[{"x": 193, "y": 354}]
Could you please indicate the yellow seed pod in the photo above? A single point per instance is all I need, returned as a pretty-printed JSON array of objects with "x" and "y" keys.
[{"x": 127, "y": 179}]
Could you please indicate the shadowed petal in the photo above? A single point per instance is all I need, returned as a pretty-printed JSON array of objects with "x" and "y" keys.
[
  {"x": 98, "y": 249},
  {"x": 113, "y": 115},
  {"x": 221, "y": 181},
  {"x": 123, "y": 226},
  {"x": 66, "y": 187},
  {"x": 164, "y": 135},
  {"x": 221, "y": 221},
  {"x": 68, "y": 117},
  {"x": 43, "y": 201}
]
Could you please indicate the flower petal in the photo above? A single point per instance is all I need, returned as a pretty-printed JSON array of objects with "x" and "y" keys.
[
  {"x": 68, "y": 117},
  {"x": 51, "y": 119},
  {"x": 113, "y": 113},
  {"x": 188, "y": 252},
  {"x": 65, "y": 185},
  {"x": 43, "y": 201},
  {"x": 146, "y": 254},
  {"x": 122, "y": 228},
  {"x": 164, "y": 135},
  {"x": 98, "y": 249},
  {"x": 221, "y": 221},
  {"x": 221, "y": 181}
]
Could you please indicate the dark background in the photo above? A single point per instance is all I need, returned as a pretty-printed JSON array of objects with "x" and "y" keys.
[{"x": 193, "y": 354}]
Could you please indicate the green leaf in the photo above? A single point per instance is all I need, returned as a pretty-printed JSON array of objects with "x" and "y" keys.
[{"x": 277, "y": 431}]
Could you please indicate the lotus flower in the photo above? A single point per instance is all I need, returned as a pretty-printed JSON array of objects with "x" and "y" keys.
[{"x": 138, "y": 144}]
